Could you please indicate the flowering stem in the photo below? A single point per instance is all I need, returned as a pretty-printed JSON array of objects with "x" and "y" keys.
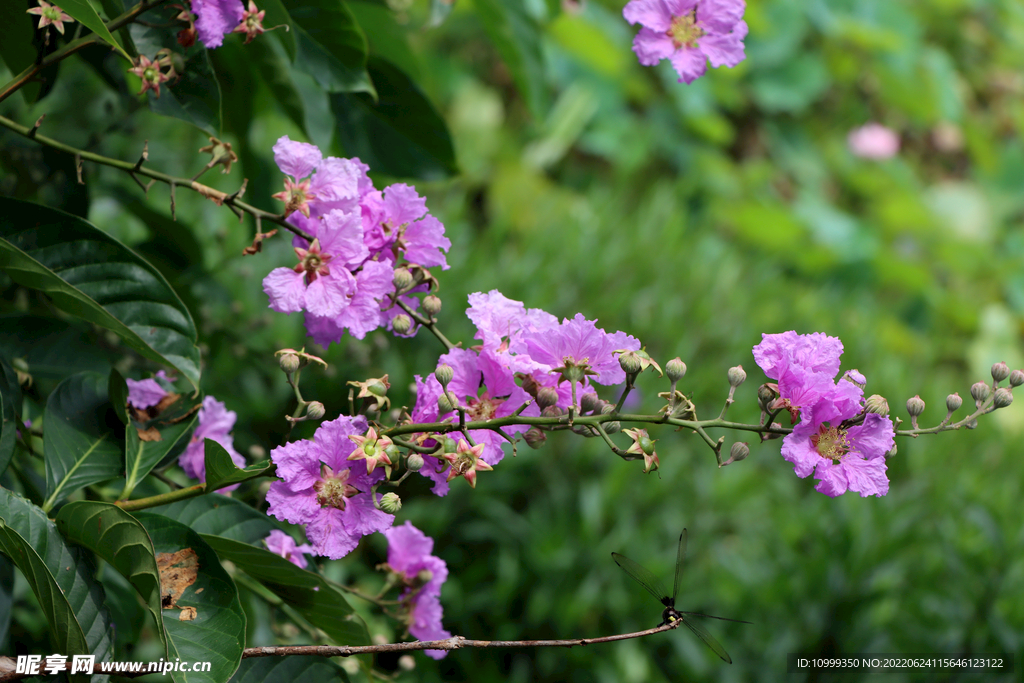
[
  {"x": 943, "y": 426},
  {"x": 625, "y": 392},
  {"x": 74, "y": 46},
  {"x": 134, "y": 169},
  {"x": 427, "y": 323}
]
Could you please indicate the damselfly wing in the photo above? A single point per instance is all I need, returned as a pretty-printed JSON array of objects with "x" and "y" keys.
[{"x": 670, "y": 614}]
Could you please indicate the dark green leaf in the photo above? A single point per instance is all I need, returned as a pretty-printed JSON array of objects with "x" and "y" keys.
[
  {"x": 83, "y": 12},
  {"x": 387, "y": 38},
  {"x": 221, "y": 470},
  {"x": 401, "y": 134},
  {"x": 174, "y": 425},
  {"x": 517, "y": 38},
  {"x": 195, "y": 98},
  {"x": 273, "y": 669},
  {"x": 6, "y": 597},
  {"x": 82, "y": 438},
  {"x": 122, "y": 541},
  {"x": 330, "y": 45},
  {"x": 117, "y": 391},
  {"x": 268, "y": 60},
  {"x": 10, "y": 411},
  {"x": 93, "y": 276},
  {"x": 60, "y": 575},
  {"x": 220, "y": 516},
  {"x": 305, "y": 592},
  {"x": 16, "y": 48},
  {"x": 52, "y": 348},
  {"x": 217, "y": 634}
]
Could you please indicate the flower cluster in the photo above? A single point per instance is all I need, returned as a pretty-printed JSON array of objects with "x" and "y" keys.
[
  {"x": 215, "y": 422},
  {"x": 516, "y": 342},
  {"x": 836, "y": 439},
  {"x": 689, "y": 33},
  {"x": 409, "y": 556},
  {"x": 344, "y": 278},
  {"x": 325, "y": 490}
]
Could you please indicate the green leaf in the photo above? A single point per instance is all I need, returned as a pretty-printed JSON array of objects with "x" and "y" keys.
[
  {"x": 439, "y": 11},
  {"x": 305, "y": 592},
  {"x": 174, "y": 425},
  {"x": 517, "y": 38},
  {"x": 82, "y": 442},
  {"x": 91, "y": 275},
  {"x": 217, "y": 633},
  {"x": 401, "y": 134},
  {"x": 117, "y": 390},
  {"x": 221, "y": 470},
  {"x": 10, "y": 410},
  {"x": 60, "y": 575},
  {"x": 6, "y": 597},
  {"x": 122, "y": 541},
  {"x": 388, "y": 39},
  {"x": 83, "y": 12},
  {"x": 52, "y": 348},
  {"x": 16, "y": 48},
  {"x": 219, "y": 515},
  {"x": 330, "y": 45},
  {"x": 273, "y": 669}
]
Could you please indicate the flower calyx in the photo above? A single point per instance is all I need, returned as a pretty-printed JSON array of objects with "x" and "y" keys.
[
  {"x": 375, "y": 389},
  {"x": 466, "y": 462},
  {"x": 373, "y": 449}
]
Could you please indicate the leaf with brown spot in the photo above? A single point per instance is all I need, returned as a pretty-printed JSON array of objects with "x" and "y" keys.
[{"x": 178, "y": 571}]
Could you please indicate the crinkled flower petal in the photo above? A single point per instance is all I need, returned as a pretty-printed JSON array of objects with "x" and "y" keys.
[
  {"x": 721, "y": 16},
  {"x": 294, "y": 507},
  {"x": 341, "y": 236},
  {"x": 426, "y": 624},
  {"x": 724, "y": 50},
  {"x": 328, "y": 295},
  {"x": 297, "y": 159},
  {"x": 216, "y": 18},
  {"x": 286, "y": 290},
  {"x": 690, "y": 63},
  {"x": 656, "y": 14},
  {"x": 425, "y": 241},
  {"x": 297, "y": 464},
  {"x": 144, "y": 393},
  {"x": 798, "y": 449},
  {"x": 402, "y": 204},
  {"x": 651, "y": 46}
]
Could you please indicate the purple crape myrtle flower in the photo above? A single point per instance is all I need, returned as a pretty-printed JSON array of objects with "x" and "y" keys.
[
  {"x": 325, "y": 491},
  {"x": 321, "y": 282},
  {"x": 805, "y": 365},
  {"x": 579, "y": 345},
  {"x": 400, "y": 222},
  {"x": 216, "y": 18},
  {"x": 689, "y": 33},
  {"x": 484, "y": 395},
  {"x": 373, "y": 284},
  {"x": 841, "y": 457},
  {"x": 501, "y": 323},
  {"x": 409, "y": 555},
  {"x": 215, "y": 422},
  {"x": 280, "y": 543},
  {"x": 146, "y": 393}
]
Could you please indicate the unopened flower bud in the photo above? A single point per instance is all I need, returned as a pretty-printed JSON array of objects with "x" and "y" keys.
[
  {"x": 629, "y": 362},
  {"x": 765, "y": 395},
  {"x": 414, "y": 462},
  {"x": 444, "y": 402},
  {"x": 1002, "y": 398},
  {"x": 315, "y": 410},
  {"x": 889, "y": 454},
  {"x": 1016, "y": 378},
  {"x": 390, "y": 503},
  {"x": 773, "y": 434},
  {"x": 289, "y": 362},
  {"x": 613, "y": 427},
  {"x": 401, "y": 324},
  {"x": 449, "y": 445},
  {"x": 402, "y": 279},
  {"x": 737, "y": 452},
  {"x": 432, "y": 305},
  {"x": 915, "y": 406},
  {"x": 377, "y": 388},
  {"x": 1000, "y": 371},
  {"x": 876, "y": 404},
  {"x": 980, "y": 391},
  {"x": 675, "y": 369},
  {"x": 535, "y": 437},
  {"x": 552, "y": 411},
  {"x": 953, "y": 402},
  {"x": 444, "y": 374},
  {"x": 590, "y": 402},
  {"x": 546, "y": 396},
  {"x": 737, "y": 376}
]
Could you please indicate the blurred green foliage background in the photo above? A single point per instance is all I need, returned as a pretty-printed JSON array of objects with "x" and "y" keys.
[{"x": 695, "y": 218}]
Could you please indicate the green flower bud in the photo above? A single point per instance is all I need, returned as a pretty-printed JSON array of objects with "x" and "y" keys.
[
  {"x": 953, "y": 402},
  {"x": 535, "y": 437},
  {"x": 646, "y": 444},
  {"x": 444, "y": 402},
  {"x": 552, "y": 411},
  {"x": 607, "y": 408},
  {"x": 414, "y": 462},
  {"x": 630, "y": 362},
  {"x": 876, "y": 404},
  {"x": 315, "y": 410},
  {"x": 915, "y": 406},
  {"x": 1002, "y": 398},
  {"x": 546, "y": 396},
  {"x": 444, "y": 374},
  {"x": 675, "y": 369},
  {"x": 1016, "y": 378},
  {"x": 613, "y": 427},
  {"x": 589, "y": 402},
  {"x": 390, "y": 503},
  {"x": 980, "y": 391},
  {"x": 737, "y": 452},
  {"x": 402, "y": 279},
  {"x": 449, "y": 445},
  {"x": 401, "y": 324},
  {"x": 765, "y": 395},
  {"x": 289, "y": 362},
  {"x": 736, "y": 376},
  {"x": 432, "y": 305},
  {"x": 377, "y": 388},
  {"x": 1000, "y": 371}
]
